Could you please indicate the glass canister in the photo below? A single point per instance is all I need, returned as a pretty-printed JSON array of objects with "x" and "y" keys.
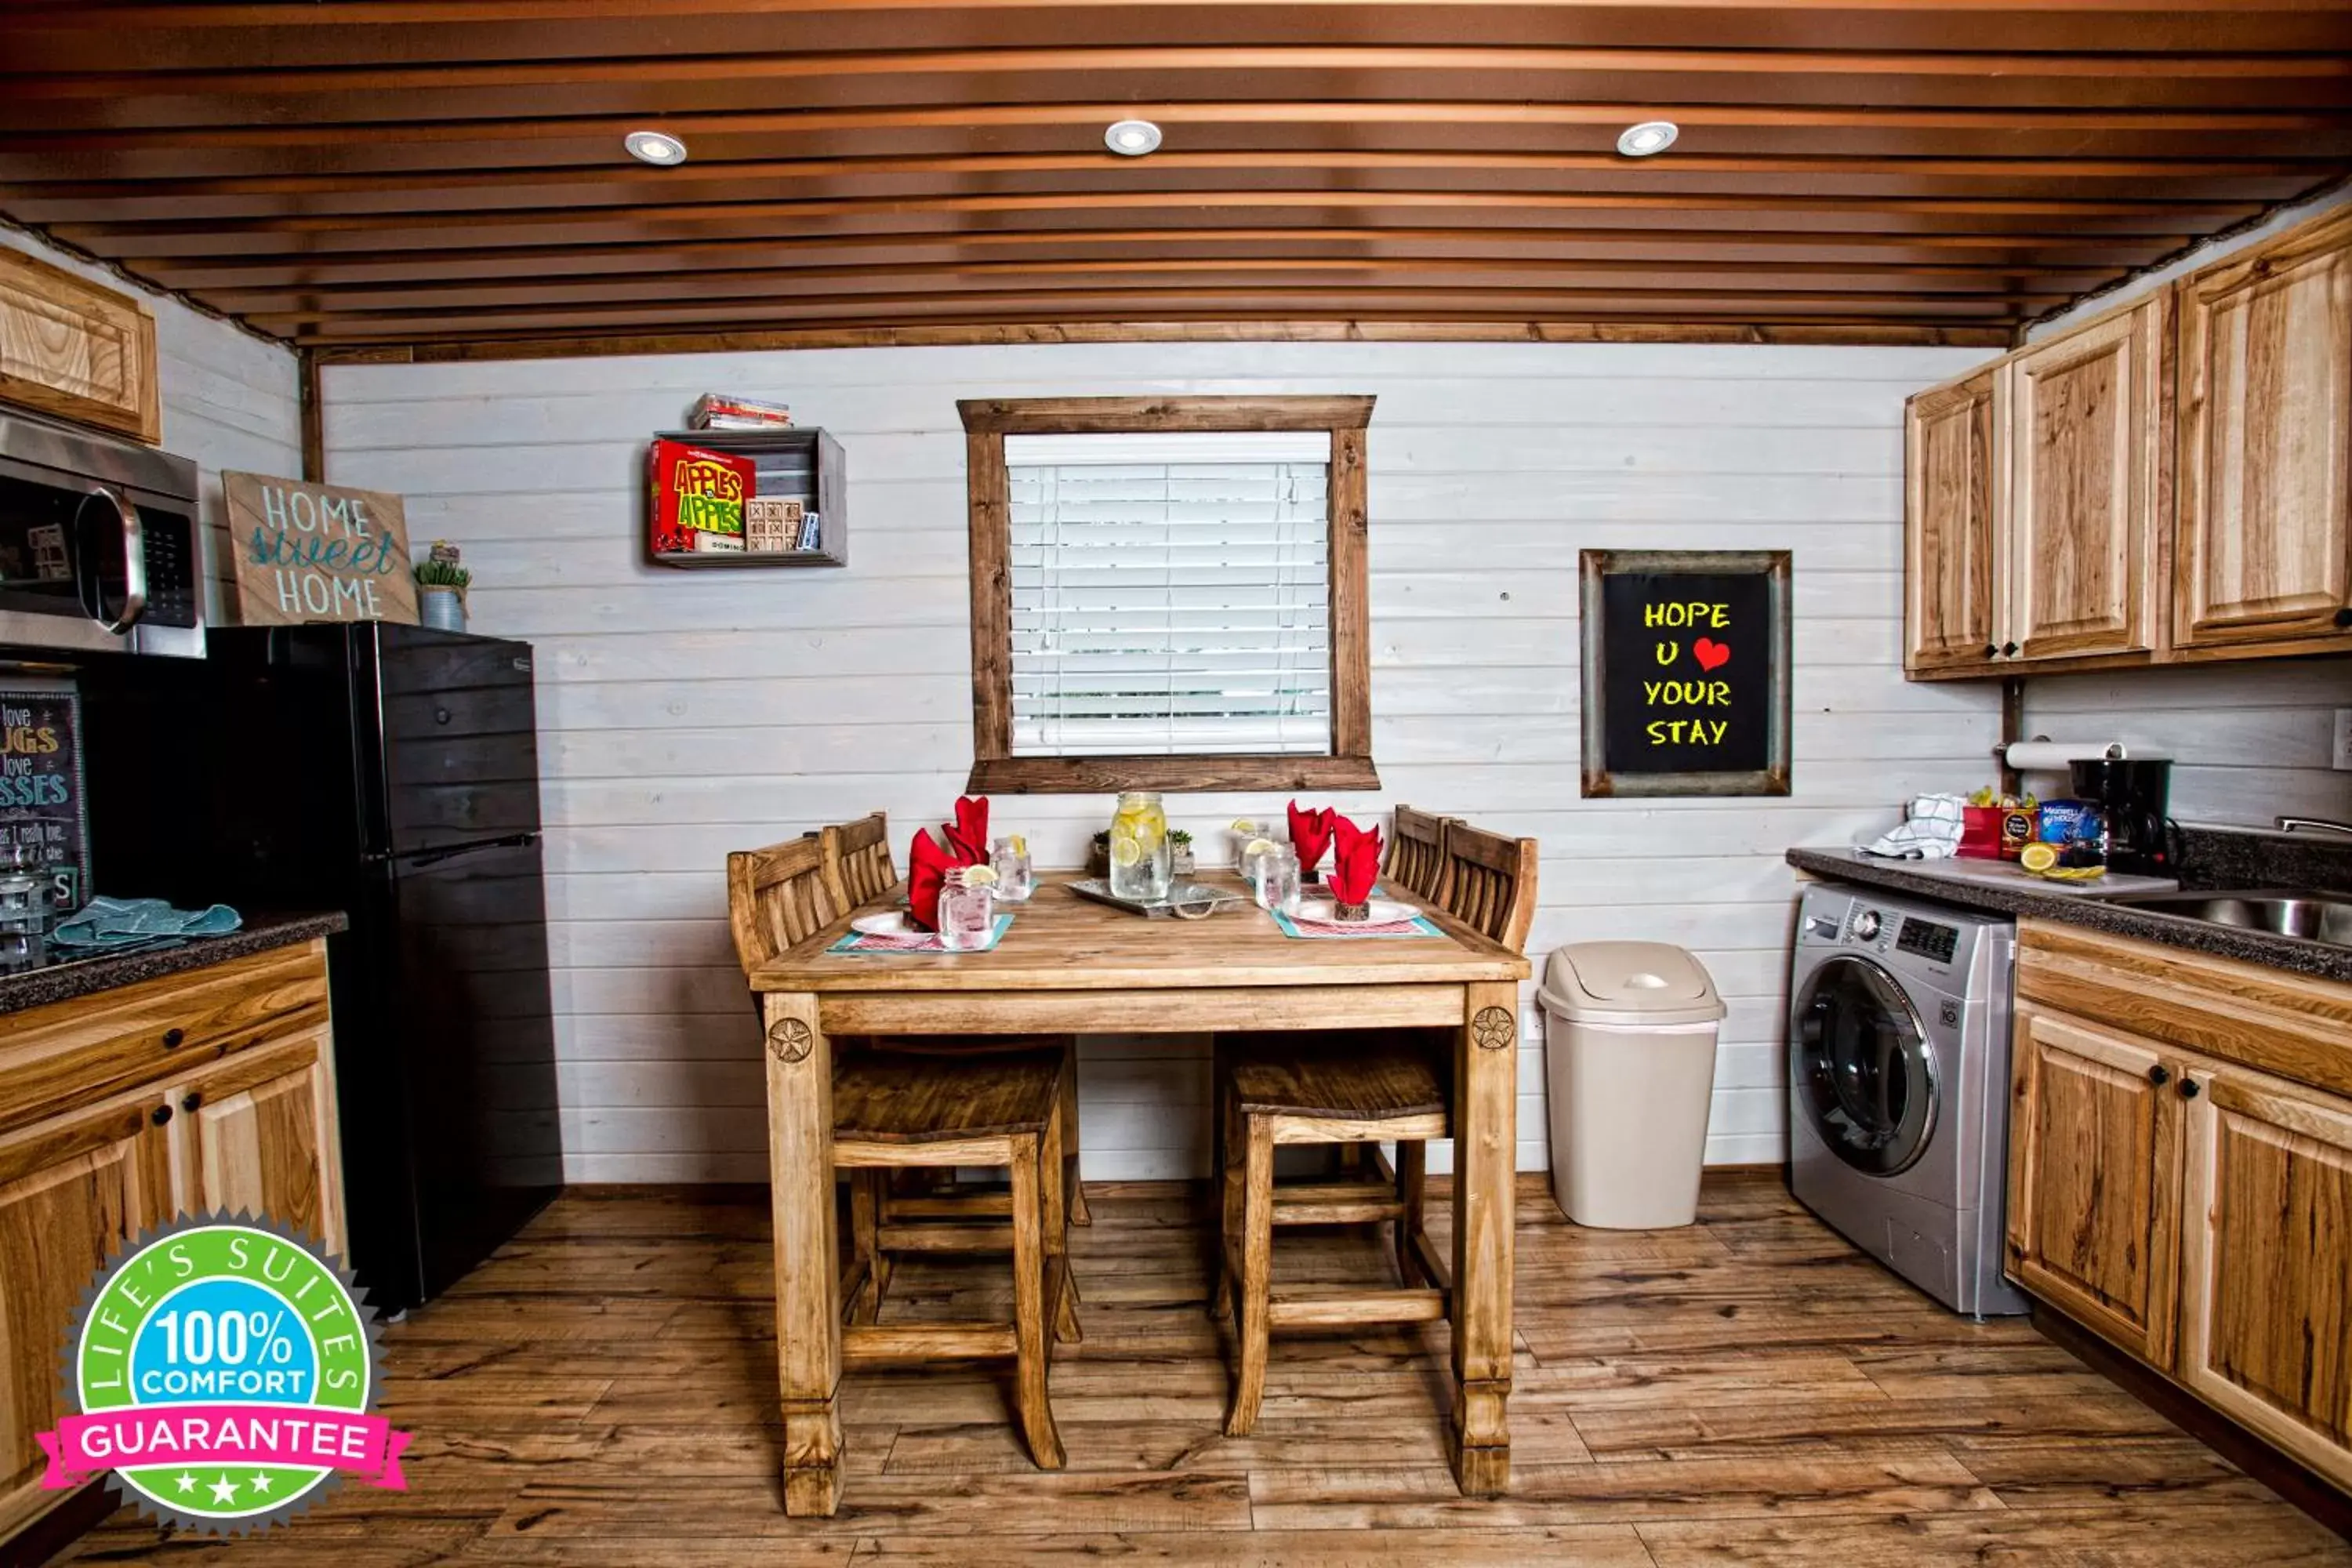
[
  {"x": 967, "y": 914},
  {"x": 1016, "y": 877},
  {"x": 1141, "y": 855},
  {"x": 24, "y": 912}
]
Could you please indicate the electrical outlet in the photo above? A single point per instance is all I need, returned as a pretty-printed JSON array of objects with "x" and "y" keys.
[{"x": 2344, "y": 739}]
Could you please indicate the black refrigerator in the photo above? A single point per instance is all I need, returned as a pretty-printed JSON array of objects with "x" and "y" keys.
[{"x": 391, "y": 772}]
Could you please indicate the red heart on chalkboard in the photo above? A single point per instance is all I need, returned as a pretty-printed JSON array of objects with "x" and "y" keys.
[{"x": 1711, "y": 654}]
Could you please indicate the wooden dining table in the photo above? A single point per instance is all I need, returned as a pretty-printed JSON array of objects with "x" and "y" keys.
[{"x": 1070, "y": 966}]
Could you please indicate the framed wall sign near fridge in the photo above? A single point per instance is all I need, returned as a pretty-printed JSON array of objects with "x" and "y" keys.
[
  {"x": 1686, "y": 672},
  {"x": 317, "y": 553}
]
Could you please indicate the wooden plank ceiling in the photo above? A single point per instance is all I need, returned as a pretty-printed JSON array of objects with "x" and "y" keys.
[{"x": 445, "y": 172}]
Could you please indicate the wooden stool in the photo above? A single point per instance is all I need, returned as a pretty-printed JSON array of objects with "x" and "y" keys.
[
  {"x": 893, "y": 1111},
  {"x": 1362, "y": 1089},
  {"x": 1353, "y": 1091}
]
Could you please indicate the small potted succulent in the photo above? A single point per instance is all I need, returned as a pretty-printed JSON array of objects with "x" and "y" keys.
[
  {"x": 1179, "y": 853},
  {"x": 441, "y": 584},
  {"x": 1098, "y": 855}
]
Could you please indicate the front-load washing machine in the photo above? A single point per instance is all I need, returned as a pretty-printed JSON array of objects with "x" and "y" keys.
[{"x": 1898, "y": 1085}]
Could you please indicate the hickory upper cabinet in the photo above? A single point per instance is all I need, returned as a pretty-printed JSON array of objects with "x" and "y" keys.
[
  {"x": 2086, "y": 481},
  {"x": 2034, "y": 494},
  {"x": 2262, "y": 557},
  {"x": 1947, "y": 562}
]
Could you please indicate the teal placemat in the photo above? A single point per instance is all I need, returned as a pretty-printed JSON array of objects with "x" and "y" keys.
[
  {"x": 1369, "y": 932},
  {"x": 925, "y": 941}
]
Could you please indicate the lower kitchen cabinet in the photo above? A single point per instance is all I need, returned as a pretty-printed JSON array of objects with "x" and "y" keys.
[
  {"x": 2094, "y": 1189},
  {"x": 2175, "y": 1190},
  {"x": 213, "y": 1088},
  {"x": 72, "y": 1191},
  {"x": 2266, "y": 1275}
]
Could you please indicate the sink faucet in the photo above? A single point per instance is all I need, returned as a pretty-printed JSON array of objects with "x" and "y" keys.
[{"x": 2289, "y": 824}]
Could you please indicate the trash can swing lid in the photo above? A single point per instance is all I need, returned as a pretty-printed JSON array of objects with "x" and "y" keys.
[{"x": 1638, "y": 984}]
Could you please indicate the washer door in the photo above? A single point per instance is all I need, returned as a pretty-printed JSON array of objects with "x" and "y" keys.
[{"x": 1863, "y": 1069}]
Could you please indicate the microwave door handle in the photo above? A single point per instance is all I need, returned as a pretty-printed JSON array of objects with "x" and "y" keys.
[{"x": 135, "y": 563}]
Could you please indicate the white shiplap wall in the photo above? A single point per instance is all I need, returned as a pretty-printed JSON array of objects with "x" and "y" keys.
[
  {"x": 2249, "y": 741},
  {"x": 230, "y": 400},
  {"x": 687, "y": 714}
]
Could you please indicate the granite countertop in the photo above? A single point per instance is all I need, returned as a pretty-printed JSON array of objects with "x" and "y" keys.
[
  {"x": 101, "y": 971},
  {"x": 1930, "y": 879}
]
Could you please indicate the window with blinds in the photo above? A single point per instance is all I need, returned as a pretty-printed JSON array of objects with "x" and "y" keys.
[{"x": 1170, "y": 594}]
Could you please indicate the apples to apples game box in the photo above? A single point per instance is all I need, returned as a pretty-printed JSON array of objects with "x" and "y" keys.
[{"x": 698, "y": 498}]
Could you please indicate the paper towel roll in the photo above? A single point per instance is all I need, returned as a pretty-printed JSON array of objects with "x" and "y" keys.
[{"x": 2051, "y": 756}]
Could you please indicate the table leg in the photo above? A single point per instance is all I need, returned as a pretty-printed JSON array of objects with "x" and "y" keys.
[
  {"x": 808, "y": 1308},
  {"x": 1485, "y": 1154}
]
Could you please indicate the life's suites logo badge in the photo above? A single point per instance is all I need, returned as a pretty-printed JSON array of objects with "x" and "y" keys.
[{"x": 221, "y": 1372}]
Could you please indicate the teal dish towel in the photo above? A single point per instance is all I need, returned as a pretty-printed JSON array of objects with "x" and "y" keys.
[{"x": 102, "y": 923}]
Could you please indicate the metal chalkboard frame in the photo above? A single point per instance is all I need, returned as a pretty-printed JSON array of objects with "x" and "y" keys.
[{"x": 1770, "y": 565}]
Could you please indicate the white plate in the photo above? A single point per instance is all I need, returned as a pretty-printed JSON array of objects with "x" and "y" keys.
[
  {"x": 1323, "y": 912},
  {"x": 892, "y": 924}
]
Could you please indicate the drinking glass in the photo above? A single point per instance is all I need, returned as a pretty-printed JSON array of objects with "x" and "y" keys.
[
  {"x": 1276, "y": 883},
  {"x": 1016, "y": 879},
  {"x": 967, "y": 914}
]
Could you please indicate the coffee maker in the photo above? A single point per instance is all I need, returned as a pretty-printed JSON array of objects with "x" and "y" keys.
[{"x": 2132, "y": 794}]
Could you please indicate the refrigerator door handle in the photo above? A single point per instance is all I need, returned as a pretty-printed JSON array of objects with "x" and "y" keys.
[{"x": 435, "y": 856}]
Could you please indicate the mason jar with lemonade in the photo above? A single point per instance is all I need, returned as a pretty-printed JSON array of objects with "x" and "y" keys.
[{"x": 1140, "y": 854}]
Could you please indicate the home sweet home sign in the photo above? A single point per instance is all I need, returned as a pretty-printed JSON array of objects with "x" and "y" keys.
[
  {"x": 317, "y": 553},
  {"x": 1686, "y": 672}
]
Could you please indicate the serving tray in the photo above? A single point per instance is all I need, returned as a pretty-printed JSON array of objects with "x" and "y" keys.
[{"x": 1185, "y": 900}]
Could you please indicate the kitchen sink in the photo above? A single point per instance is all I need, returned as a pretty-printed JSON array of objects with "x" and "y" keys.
[{"x": 2317, "y": 917}]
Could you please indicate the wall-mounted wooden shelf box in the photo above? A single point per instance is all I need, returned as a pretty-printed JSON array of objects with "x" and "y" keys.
[{"x": 805, "y": 464}]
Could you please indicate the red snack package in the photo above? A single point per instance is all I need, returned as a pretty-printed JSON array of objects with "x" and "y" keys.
[{"x": 698, "y": 498}]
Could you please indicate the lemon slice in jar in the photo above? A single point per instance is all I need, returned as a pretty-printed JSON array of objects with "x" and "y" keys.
[
  {"x": 979, "y": 876},
  {"x": 1020, "y": 844},
  {"x": 1125, "y": 851},
  {"x": 2039, "y": 857},
  {"x": 1257, "y": 846}
]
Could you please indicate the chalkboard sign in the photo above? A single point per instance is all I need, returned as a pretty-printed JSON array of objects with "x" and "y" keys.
[
  {"x": 317, "y": 553},
  {"x": 42, "y": 805},
  {"x": 1686, "y": 672}
]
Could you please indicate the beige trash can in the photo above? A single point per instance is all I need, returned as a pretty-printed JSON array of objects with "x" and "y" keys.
[{"x": 1629, "y": 1069}]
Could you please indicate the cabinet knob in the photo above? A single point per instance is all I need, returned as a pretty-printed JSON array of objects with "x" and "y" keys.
[
  {"x": 192, "y": 1101},
  {"x": 2008, "y": 650},
  {"x": 172, "y": 1038},
  {"x": 2344, "y": 617},
  {"x": 2159, "y": 1075},
  {"x": 2187, "y": 1088},
  {"x": 160, "y": 1115}
]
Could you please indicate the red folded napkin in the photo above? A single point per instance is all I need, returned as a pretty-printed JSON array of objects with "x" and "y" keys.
[
  {"x": 1309, "y": 832},
  {"x": 1355, "y": 862},
  {"x": 926, "y": 870},
  {"x": 968, "y": 834}
]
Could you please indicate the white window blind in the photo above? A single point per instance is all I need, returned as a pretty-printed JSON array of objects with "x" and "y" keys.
[{"x": 1170, "y": 594}]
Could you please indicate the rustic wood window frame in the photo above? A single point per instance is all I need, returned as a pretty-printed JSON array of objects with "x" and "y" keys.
[{"x": 995, "y": 770}]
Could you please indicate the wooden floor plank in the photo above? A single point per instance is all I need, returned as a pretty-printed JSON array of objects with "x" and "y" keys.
[{"x": 1747, "y": 1390}]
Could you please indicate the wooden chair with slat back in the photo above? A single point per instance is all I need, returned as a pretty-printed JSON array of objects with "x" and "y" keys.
[
  {"x": 858, "y": 871},
  {"x": 1417, "y": 853},
  {"x": 896, "y": 1109},
  {"x": 1367, "y": 1088}
]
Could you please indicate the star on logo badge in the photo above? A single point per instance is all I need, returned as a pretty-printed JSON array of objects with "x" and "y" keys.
[
  {"x": 260, "y": 1483},
  {"x": 224, "y": 1490},
  {"x": 184, "y": 1481}
]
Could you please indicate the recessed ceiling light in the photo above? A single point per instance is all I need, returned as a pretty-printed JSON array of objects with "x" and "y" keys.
[
  {"x": 1132, "y": 138},
  {"x": 656, "y": 147},
  {"x": 1650, "y": 137}
]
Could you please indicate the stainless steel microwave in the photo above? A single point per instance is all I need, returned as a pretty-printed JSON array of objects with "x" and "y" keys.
[{"x": 99, "y": 542}]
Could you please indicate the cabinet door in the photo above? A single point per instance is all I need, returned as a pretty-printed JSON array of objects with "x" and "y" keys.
[
  {"x": 1948, "y": 572},
  {"x": 2266, "y": 1329},
  {"x": 263, "y": 1124},
  {"x": 2264, "y": 552},
  {"x": 2086, "y": 470},
  {"x": 2094, "y": 1179},
  {"x": 72, "y": 1192},
  {"x": 75, "y": 349}
]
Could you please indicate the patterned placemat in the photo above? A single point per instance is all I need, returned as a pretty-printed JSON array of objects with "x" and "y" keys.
[
  {"x": 1321, "y": 931},
  {"x": 920, "y": 941}
]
